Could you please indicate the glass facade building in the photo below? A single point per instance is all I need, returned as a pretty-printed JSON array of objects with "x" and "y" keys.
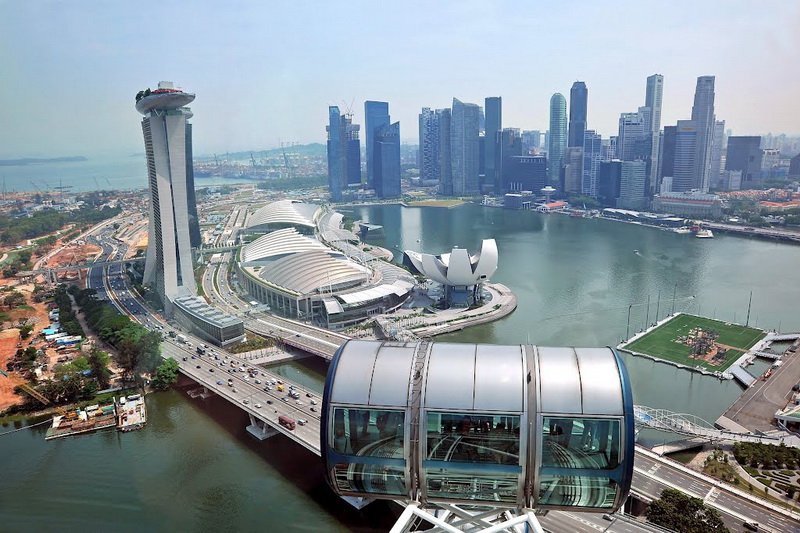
[
  {"x": 557, "y": 140},
  {"x": 376, "y": 117},
  {"x": 506, "y": 426}
]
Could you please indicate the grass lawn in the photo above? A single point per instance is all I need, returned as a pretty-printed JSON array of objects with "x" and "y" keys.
[{"x": 662, "y": 341}]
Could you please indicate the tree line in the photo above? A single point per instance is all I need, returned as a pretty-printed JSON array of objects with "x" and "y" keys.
[{"x": 15, "y": 229}]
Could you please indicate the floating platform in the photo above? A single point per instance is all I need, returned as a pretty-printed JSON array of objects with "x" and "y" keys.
[
  {"x": 80, "y": 421},
  {"x": 127, "y": 414}
]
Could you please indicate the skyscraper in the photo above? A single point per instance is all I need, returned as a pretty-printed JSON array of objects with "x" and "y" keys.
[
  {"x": 445, "y": 160},
  {"x": 667, "y": 154},
  {"x": 684, "y": 167},
  {"x": 703, "y": 118},
  {"x": 573, "y": 170},
  {"x": 592, "y": 155},
  {"x": 464, "y": 148},
  {"x": 716, "y": 153},
  {"x": 376, "y": 116},
  {"x": 632, "y": 185},
  {"x": 428, "y": 146},
  {"x": 493, "y": 125},
  {"x": 578, "y": 100},
  {"x": 509, "y": 144},
  {"x": 653, "y": 99},
  {"x": 609, "y": 178},
  {"x": 633, "y": 142},
  {"x": 386, "y": 158},
  {"x": 172, "y": 211},
  {"x": 344, "y": 153},
  {"x": 745, "y": 155},
  {"x": 557, "y": 142}
]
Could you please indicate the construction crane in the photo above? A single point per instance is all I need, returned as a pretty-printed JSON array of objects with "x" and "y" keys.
[
  {"x": 39, "y": 396},
  {"x": 252, "y": 160}
]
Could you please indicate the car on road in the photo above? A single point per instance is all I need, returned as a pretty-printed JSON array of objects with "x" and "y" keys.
[
  {"x": 285, "y": 399},
  {"x": 257, "y": 406},
  {"x": 185, "y": 358},
  {"x": 245, "y": 401},
  {"x": 313, "y": 409},
  {"x": 258, "y": 381},
  {"x": 219, "y": 382},
  {"x": 234, "y": 390},
  {"x": 269, "y": 402},
  {"x": 302, "y": 421},
  {"x": 313, "y": 402},
  {"x": 308, "y": 394},
  {"x": 210, "y": 369},
  {"x": 198, "y": 366}
]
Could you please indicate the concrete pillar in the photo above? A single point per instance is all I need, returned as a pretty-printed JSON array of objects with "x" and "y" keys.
[{"x": 260, "y": 429}]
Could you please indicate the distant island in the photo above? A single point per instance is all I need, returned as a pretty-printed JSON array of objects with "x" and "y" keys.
[{"x": 40, "y": 161}]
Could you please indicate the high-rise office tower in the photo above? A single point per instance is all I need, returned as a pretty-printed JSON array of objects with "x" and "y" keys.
[
  {"x": 578, "y": 100},
  {"x": 386, "y": 158},
  {"x": 525, "y": 173},
  {"x": 172, "y": 209},
  {"x": 684, "y": 166},
  {"x": 376, "y": 116},
  {"x": 464, "y": 148},
  {"x": 633, "y": 178},
  {"x": 745, "y": 155},
  {"x": 573, "y": 170},
  {"x": 445, "y": 160},
  {"x": 493, "y": 125},
  {"x": 428, "y": 146},
  {"x": 531, "y": 141},
  {"x": 557, "y": 141},
  {"x": 653, "y": 99},
  {"x": 703, "y": 118},
  {"x": 633, "y": 143},
  {"x": 592, "y": 155},
  {"x": 609, "y": 178},
  {"x": 716, "y": 153},
  {"x": 344, "y": 153},
  {"x": 666, "y": 153},
  {"x": 509, "y": 144}
]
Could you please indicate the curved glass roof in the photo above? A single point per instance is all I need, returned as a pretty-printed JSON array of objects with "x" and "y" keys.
[
  {"x": 280, "y": 242},
  {"x": 284, "y": 212},
  {"x": 311, "y": 272}
]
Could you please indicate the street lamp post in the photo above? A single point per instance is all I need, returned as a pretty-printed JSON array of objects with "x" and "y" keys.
[
  {"x": 628, "y": 328},
  {"x": 674, "y": 290},
  {"x": 658, "y": 303}
]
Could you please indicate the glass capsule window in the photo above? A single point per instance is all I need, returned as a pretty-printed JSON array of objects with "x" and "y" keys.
[
  {"x": 577, "y": 491},
  {"x": 473, "y": 438},
  {"x": 370, "y": 478},
  {"x": 580, "y": 462},
  {"x": 368, "y": 432},
  {"x": 581, "y": 443},
  {"x": 455, "y": 484}
]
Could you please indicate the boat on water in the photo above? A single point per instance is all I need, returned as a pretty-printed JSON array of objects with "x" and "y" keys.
[
  {"x": 704, "y": 234},
  {"x": 683, "y": 231}
]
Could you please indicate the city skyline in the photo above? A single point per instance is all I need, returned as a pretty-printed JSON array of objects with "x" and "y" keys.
[{"x": 276, "y": 74}]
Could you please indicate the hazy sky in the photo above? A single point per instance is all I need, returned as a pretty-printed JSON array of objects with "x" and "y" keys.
[{"x": 265, "y": 71}]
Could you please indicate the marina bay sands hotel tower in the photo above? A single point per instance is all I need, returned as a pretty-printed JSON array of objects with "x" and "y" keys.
[{"x": 173, "y": 225}]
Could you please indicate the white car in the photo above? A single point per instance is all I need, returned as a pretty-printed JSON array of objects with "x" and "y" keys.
[{"x": 257, "y": 406}]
